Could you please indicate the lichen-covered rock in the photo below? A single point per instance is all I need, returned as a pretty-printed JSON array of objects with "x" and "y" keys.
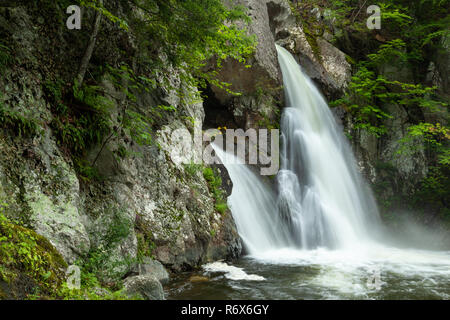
[
  {"x": 140, "y": 204},
  {"x": 28, "y": 262},
  {"x": 42, "y": 190},
  {"x": 322, "y": 61},
  {"x": 260, "y": 84},
  {"x": 152, "y": 267},
  {"x": 442, "y": 58},
  {"x": 335, "y": 63},
  {"x": 146, "y": 286}
]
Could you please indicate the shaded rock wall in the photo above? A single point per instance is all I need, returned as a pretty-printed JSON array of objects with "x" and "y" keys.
[{"x": 154, "y": 199}]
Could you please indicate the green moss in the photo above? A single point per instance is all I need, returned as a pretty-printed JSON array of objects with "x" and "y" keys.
[
  {"x": 312, "y": 40},
  {"x": 350, "y": 60},
  {"x": 215, "y": 184},
  {"x": 144, "y": 235},
  {"x": 17, "y": 122},
  {"x": 28, "y": 260},
  {"x": 221, "y": 207},
  {"x": 5, "y": 56}
]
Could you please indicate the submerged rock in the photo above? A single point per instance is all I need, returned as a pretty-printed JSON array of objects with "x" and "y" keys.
[{"x": 198, "y": 279}]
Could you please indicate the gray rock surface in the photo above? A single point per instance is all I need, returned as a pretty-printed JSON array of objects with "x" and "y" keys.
[
  {"x": 145, "y": 286},
  {"x": 145, "y": 196},
  {"x": 154, "y": 268}
]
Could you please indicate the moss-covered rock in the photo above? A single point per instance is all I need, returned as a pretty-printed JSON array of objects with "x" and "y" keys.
[{"x": 29, "y": 264}]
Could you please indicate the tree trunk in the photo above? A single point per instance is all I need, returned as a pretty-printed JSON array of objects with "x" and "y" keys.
[{"x": 90, "y": 48}]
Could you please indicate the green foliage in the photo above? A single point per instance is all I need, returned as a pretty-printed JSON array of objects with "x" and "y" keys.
[
  {"x": 17, "y": 122},
  {"x": 138, "y": 126},
  {"x": 5, "y": 56},
  {"x": 394, "y": 49},
  {"x": 190, "y": 33},
  {"x": 436, "y": 138},
  {"x": 85, "y": 123},
  {"x": 26, "y": 255},
  {"x": 54, "y": 93},
  {"x": 394, "y": 16},
  {"x": 221, "y": 207},
  {"x": 86, "y": 171},
  {"x": 435, "y": 191},
  {"x": 94, "y": 265},
  {"x": 363, "y": 100},
  {"x": 192, "y": 169},
  {"x": 97, "y": 6},
  {"x": 92, "y": 293},
  {"x": 436, "y": 185},
  {"x": 145, "y": 239},
  {"x": 145, "y": 247},
  {"x": 92, "y": 96},
  {"x": 368, "y": 91},
  {"x": 82, "y": 119},
  {"x": 215, "y": 185},
  {"x": 137, "y": 123},
  {"x": 119, "y": 229}
]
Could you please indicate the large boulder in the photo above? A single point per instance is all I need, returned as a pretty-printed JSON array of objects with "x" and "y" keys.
[
  {"x": 320, "y": 60},
  {"x": 145, "y": 286},
  {"x": 259, "y": 85},
  {"x": 152, "y": 267}
]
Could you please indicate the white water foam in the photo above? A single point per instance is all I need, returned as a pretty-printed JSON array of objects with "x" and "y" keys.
[
  {"x": 323, "y": 214},
  {"x": 347, "y": 271},
  {"x": 232, "y": 273}
]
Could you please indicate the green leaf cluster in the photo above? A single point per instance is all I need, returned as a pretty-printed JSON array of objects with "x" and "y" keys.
[{"x": 215, "y": 185}]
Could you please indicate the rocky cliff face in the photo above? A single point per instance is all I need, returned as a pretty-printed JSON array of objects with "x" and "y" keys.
[
  {"x": 139, "y": 204},
  {"x": 260, "y": 84},
  {"x": 142, "y": 202}
]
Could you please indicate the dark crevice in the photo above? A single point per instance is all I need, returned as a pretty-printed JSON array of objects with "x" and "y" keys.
[{"x": 217, "y": 114}]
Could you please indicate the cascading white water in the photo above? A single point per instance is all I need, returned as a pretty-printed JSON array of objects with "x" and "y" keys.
[
  {"x": 253, "y": 204},
  {"x": 321, "y": 193},
  {"x": 321, "y": 201},
  {"x": 317, "y": 220}
]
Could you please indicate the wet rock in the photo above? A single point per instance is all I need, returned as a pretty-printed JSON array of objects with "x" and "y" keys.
[
  {"x": 322, "y": 62},
  {"x": 198, "y": 279}
]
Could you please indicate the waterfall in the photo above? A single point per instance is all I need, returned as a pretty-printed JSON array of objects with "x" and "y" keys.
[
  {"x": 321, "y": 193},
  {"x": 253, "y": 204},
  {"x": 321, "y": 198}
]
